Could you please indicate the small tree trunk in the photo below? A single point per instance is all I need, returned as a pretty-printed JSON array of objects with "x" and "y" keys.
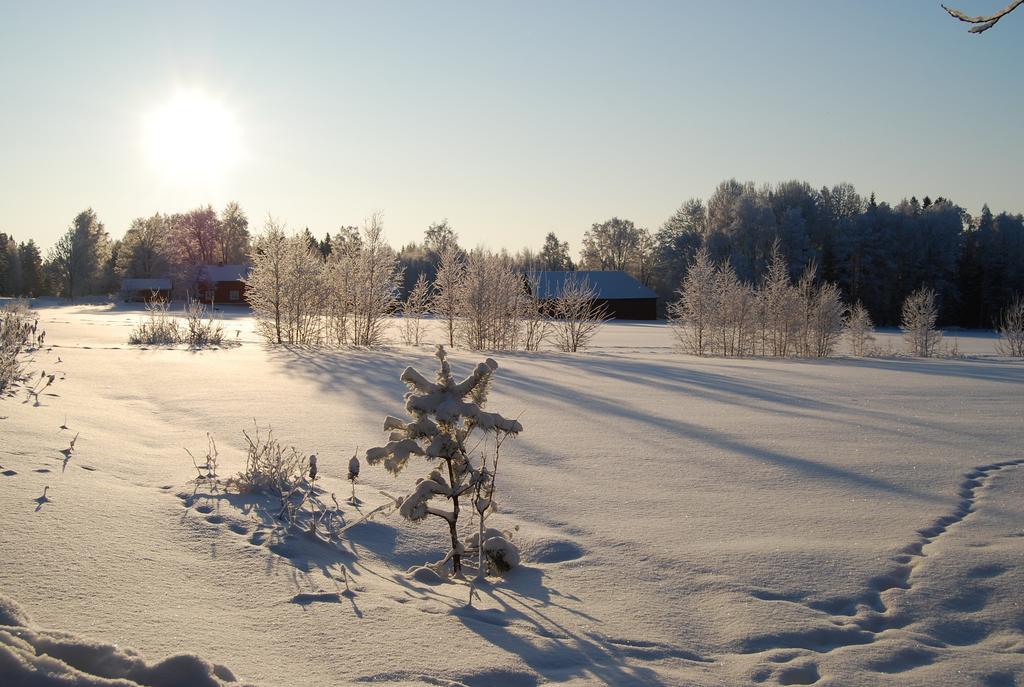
[{"x": 453, "y": 523}]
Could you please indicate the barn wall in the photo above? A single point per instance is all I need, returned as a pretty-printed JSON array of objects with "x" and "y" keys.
[{"x": 631, "y": 308}]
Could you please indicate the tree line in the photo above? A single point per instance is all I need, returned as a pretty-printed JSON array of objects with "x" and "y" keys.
[
  {"x": 343, "y": 290},
  {"x": 875, "y": 253},
  {"x": 86, "y": 261}
]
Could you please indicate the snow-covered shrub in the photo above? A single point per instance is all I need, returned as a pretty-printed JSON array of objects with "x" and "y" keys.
[
  {"x": 200, "y": 327},
  {"x": 500, "y": 553},
  {"x": 270, "y": 466},
  {"x": 919, "y": 315},
  {"x": 490, "y": 298},
  {"x": 417, "y": 304},
  {"x": 858, "y": 329},
  {"x": 1011, "y": 329},
  {"x": 17, "y": 330},
  {"x": 159, "y": 328},
  {"x": 578, "y": 315},
  {"x": 444, "y": 417}
]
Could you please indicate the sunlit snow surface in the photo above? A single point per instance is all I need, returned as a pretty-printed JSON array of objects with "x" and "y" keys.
[{"x": 682, "y": 521}]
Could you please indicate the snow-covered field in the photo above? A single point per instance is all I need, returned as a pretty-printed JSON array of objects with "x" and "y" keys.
[{"x": 683, "y": 521}]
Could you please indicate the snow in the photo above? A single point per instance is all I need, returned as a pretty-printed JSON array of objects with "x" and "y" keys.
[{"x": 681, "y": 521}]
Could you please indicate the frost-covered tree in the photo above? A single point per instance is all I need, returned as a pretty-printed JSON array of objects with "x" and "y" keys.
[
  {"x": 361, "y": 286},
  {"x": 490, "y": 303},
  {"x": 554, "y": 256},
  {"x": 144, "y": 251},
  {"x": 779, "y": 308},
  {"x": 444, "y": 416},
  {"x": 822, "y": 315},
  {"x": 417, "y": 304},
  {"x": 303, "y": 293},
  {"x": 858, "y": 330},
  {"x": 734, "y": 325},
  {"x": 536, "y": 322},
  {"x": 692, "y": 314},
  {"x": 376, "y": 276},
  {"x": 233, "y": 236},
  {"x": 265, "y": 286},
  {"x": 1011, "y": 328},
  {"x": 445, "y": 303},
  {"x": 920, "y": 313},
  {"x": 75, "y": 263},
  {"x": 578, "y": 315}
]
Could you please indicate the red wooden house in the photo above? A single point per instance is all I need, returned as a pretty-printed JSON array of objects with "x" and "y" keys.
[{"x": 222, "y": 284}]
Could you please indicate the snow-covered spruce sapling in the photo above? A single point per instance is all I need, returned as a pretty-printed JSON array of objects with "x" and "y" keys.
[{"x": 445, "y": 414}]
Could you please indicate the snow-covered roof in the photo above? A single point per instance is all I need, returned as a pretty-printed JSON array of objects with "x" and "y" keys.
[
  {"x": 160, "y": 284},
  {"x": 219, "y": 273},
  {"x": 608, "y": 284}
]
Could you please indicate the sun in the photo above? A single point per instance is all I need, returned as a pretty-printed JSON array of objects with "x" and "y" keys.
[{"x": 192, "y": 138}]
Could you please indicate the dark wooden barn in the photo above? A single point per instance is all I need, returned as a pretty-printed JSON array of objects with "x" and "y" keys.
[
  {"x": 145, "y": 290},
  {"x": 222, "y": 284},
  {"x": 623, "y": 297}
]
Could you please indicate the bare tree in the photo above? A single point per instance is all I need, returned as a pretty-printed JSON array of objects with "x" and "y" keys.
[
  {"x": 858, "y": 329},
  {"x": 1011, "y": 329},
  {"x": 920, "y": 313},
  {"x": 982, "y": 23},
  {"x": 578, "y": 314},
  {"x": 417, "y": 304}
]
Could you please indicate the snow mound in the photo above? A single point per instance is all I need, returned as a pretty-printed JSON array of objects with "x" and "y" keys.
[
  {"x": 426, "y": 575},
  {"x": 40, "y": 658},
  {"x": 553, "y": 550}
]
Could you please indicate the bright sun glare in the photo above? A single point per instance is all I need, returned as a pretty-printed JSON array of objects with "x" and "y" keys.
[{"x": 192, "y": 138}]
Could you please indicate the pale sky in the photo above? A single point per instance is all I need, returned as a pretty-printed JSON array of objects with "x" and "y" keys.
[{"x": 509, "y": 119}]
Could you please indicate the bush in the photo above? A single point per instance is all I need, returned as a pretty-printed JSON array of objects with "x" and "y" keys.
[
  {"x": 201, "y": 329},
  {"x": 270, "y": 467},
  {"x": 160, "y": 328},
  {"x": 17, "y": 334}
]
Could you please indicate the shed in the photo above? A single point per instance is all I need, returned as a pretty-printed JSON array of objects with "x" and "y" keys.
[
  {"x": 623, "y": 296},
  {"x": 145, "y": 290},
  {"x": 222, "y": 283}
]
